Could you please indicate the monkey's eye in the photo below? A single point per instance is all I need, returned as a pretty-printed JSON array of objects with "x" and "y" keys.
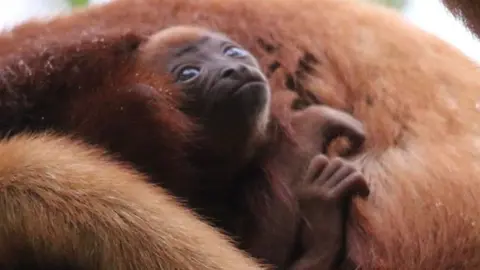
[
  {"x": 188, "y": 73},
  {"x": 235, "y": 52}
]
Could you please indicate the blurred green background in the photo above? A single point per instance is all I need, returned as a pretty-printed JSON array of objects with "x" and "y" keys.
[
  {"x": 78, "y": 2},
  {"x": 398, "y": 4}
]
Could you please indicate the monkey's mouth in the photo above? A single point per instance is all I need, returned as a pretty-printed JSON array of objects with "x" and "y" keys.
[{"x": 251, "y": 85}]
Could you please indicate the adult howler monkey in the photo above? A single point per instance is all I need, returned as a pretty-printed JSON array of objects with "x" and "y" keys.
[{"x": 416, "y": 95}]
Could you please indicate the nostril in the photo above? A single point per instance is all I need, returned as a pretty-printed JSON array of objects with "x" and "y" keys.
[
  {"x": 228, "y": 72},
  {"x": 235, "y": 71}
]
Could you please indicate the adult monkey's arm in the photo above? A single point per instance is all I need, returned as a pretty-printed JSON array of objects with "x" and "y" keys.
[{"x": 64, "y": 205}]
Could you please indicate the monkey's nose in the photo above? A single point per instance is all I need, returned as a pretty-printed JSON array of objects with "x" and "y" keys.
[{"x": 237, "y": 71}]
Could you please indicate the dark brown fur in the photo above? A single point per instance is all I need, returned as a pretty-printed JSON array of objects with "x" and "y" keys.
[{"x": 416, "y": 95}]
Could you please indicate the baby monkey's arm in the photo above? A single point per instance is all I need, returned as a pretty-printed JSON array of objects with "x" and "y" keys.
[{"x": 323, "y": 199}]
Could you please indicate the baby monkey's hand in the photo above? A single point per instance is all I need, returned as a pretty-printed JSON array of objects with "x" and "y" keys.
[{"x": 323, "y": 199}]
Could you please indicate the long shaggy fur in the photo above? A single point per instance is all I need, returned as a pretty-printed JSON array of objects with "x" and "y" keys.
[
  {"x": 416, "y": 95},
  {"x": 55, "y": 188}
]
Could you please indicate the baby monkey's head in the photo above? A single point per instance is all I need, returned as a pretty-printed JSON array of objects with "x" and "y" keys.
[{"x": 223, "y": 83}]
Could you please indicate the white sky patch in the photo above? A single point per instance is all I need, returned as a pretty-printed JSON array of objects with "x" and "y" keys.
[
  {"x": 13, "y": 12},
  {"x": 433, "y": 17}
]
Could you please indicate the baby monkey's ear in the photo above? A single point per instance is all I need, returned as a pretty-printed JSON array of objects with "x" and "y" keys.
[{"x": 330, "y": 124}]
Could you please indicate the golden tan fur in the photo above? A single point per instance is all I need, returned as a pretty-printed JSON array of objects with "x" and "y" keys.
[
  {"x": 416, "y": 95},
  {"x": 101, "y": 213}
]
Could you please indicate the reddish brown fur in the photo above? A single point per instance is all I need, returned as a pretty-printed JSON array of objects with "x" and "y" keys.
[
  {"x": 138, "y": 125},
  {"x": 101, "y": 109},
  {"x": 416, "y": 95},
  {"x": 100, "y": 212}
]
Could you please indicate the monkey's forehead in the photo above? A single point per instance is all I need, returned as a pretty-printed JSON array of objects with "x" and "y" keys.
[
  {"x": 179, "y": 36},
  {"x": 172, "y": 42},
  {"x": 183, "y": 34}
]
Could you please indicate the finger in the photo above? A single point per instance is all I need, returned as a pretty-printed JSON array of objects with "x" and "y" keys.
[
  {"x": 354, "y": 184},
  {"x": 316, "y": 166},
  {"x": 306, "y": 193},
  {"x": 330, "y": 169},
  {"x": 338, "y": 177}
]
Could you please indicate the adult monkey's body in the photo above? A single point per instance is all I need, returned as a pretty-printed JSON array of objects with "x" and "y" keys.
[{"x": 423, "y": 211}]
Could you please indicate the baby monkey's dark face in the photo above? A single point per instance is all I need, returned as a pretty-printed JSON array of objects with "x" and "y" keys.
[
  {"x": 221, "y": 79},
  {"x": 223, "y": 85}
]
